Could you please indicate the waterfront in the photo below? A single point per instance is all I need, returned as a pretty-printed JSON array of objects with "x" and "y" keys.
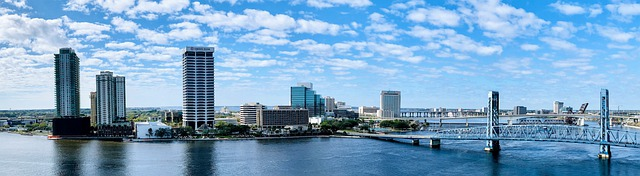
[{"x": 34, "y": 155}]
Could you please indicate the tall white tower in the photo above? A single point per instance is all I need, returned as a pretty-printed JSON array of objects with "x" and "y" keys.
[{"x": 198, "y": 87}]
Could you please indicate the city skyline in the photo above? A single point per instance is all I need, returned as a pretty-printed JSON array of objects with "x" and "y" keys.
[{"x": 533, "y": 54}]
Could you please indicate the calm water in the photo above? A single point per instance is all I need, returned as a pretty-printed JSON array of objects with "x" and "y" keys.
[{"x": 32, "y": 155}]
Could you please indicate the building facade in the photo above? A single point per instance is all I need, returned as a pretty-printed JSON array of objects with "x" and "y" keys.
[
  {"x": 557, "y": 107},
  {"x": 198, "y": 99},
  {"x": 93, "y": 116},
  {"x": 303, "y": 96},
  {"x": 329, "y": 104},
  {"x": 370, "y": 111},
  {"x": 110, "y": 98},
  {"x": 389, "y": 104},
  {"x": 519, "y": 110},
  {"x": 67, "y": 73},
  {"x": 279, "y": 118},
  {"x": 249, "y": 113}
]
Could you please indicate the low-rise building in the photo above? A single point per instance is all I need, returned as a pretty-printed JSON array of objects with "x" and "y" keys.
[
  {"x": 149, "y": 130},
  {"x": 368, "y": 111},
  {"x": 279, "y": 118}
]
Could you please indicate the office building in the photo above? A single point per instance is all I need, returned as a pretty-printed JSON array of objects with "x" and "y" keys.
[
  {"x": 198, "y": 87},
  {"x": 389, "y": 104},
  {"x": 557, "y": 107},
  {"x": 249, "y": 113},
  {"x": 304, "y": 97},
  {"x": 93, "y": 116},
  {"x": 279, "y": 118},
  {"x": 368, "y": 111},
  {"x": 519, "y": 110},
  {"x": 110, "y": 98},
  {"x": 329, "y": 104},
  {"x": 68, "y": 120},
  {"x": 67, "y": 71}
]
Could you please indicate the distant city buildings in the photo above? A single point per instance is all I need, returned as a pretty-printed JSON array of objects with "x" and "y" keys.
[
  {"x": 519, "y": 110},
  {"x": 303, "y": 96},
  {"x": 389, "y": 104},
  {"x": 198, "y": 87},
  {"x": 110, "y": 98},
  {"x": 67, "y": 73},
  {"x": 557, "y": 107},
  {"x": 249, "y": 113}
]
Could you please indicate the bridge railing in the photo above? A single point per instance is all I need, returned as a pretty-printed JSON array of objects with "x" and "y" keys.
[{"x": 560, "y": 133}]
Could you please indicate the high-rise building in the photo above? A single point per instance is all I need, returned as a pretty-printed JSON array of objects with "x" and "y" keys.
[
  {"x": 329, "y": 104},
  {"x": 279, "y": 118},
  {"x": 68, "y": 120},
  {"x": 92, "y": 96},
  {"x": 303, "y": 96},
  {"x": 67, "y": 66},
  {"x": 249, "y": 113},
  {"x": 198, "y": 87},
  {"x": 557, "y": 107},
  {"x": 389, "y": 104},
  {"x": 121, "y": 99},
  {"x": 110, "y": 98},
  {"x": 519, "y": 110}
]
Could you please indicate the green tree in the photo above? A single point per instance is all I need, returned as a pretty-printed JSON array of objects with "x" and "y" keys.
[{"x": 149, "y": 132}]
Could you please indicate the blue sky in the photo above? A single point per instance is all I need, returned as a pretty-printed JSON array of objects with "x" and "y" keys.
[{"x": 438, "y": 53}]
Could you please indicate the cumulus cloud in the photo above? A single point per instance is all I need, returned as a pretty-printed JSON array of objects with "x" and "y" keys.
[
  {"x": 40, "y": 35},
  {"x": 453, "y": 40},
  {"x": 333, "y": 3},
  {"x": 614, "y": 33},
  {"x": 624, "y": 11},
  {"x": 568, "y": 9},
  {"x": 502, "y": 21},
  {"x": 529, "y": 47},
  {"x": 437, "y": 16}
]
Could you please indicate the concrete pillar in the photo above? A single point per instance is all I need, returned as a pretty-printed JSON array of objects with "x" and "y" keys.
[
  {"x": 435, "y": 143},
  {"x": 415, "y": 141}
]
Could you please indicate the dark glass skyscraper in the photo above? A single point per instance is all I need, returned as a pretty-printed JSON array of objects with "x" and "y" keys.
[
  {"x": 67, "y": 66},
  {"x": 303, "y": 96}
]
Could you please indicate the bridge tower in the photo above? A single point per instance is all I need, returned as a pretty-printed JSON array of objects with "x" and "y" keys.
[
  {"x": 605, "y": 148},
  {"x": 493, "y": 122}
]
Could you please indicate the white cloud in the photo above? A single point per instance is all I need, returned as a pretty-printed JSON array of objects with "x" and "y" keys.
[
  {"x": 595, "y": 10},
  {"x": 559, "y": 44},
  {"x": 453, "y": 40},
  {"x": 499, "y": 20},
  {"x": 563, "y": 29},
  {"x": 568, "y": 9},
  {"x": 163, "y": 7},
  {"x": 123, "y": 45},
  {"x": 241, "y": 63},
  {"x": 515, "y": 66},
  {"x": 123, "y": 25},
  {"x": 333, "y": 3},
  {"x": 580, "y": 66},
  {"x": 179, "y": 32},
  {"x": 91, "y": 62},
  {"x": 316, "y": 27},
  {"x": 92, "y": 31},
  {"x": 624, "y": 11},
  {"x": 18, "y": 3},
  {"x": 614, "y": 33},
  {"x": 265, "y": 37},
  {"x": 437, "y": 16},
  {"x": 529, "y": 47},
  {"x": 39, "y": 35}
]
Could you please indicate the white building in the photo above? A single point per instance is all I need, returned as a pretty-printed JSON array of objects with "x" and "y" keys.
[
  {"x": 145, "y": 130},
  {"x": 110, "y": 98},
  {"x": 249, "y": 113},
  {"x": 368, "y": 111},
  {"x": 198, "y": 87},
  {"x": 389, "y": 104},
  {"x": 557, "y": 107}
]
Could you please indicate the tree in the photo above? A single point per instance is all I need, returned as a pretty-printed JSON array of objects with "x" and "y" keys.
[
  {"x": 364, "y": 127},
  {"x": 149, "y": 132}
]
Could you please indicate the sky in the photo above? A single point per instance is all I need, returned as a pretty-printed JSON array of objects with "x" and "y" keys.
[{"x": 448, "y": 53}]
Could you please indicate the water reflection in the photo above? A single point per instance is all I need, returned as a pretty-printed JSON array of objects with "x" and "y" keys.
[
  {"x": 112, "y": 158},
  {"x": 199, "y": 158},
  {"x": 69, "y": 157},
  {"x": 605, "y": 167},
  {"x": 495, "y": 162}
]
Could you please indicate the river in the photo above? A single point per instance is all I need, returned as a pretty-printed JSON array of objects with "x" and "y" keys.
[{"x": 35, "y": 155}]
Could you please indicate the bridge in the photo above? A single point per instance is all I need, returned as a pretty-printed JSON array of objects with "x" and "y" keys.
[{"x": 493, "y": 133}]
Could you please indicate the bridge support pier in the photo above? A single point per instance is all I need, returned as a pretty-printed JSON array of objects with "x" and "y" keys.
[
  {"x": 435, "y": 143},
  {"x": 605, "y": 148},
  {"x": 493, "y": 123},
  {"x": 415, "y": 141},
  {"x": 440, "y": 122}
]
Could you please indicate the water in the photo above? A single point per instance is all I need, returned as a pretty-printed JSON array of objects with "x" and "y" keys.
[{"x": 34, "y": 155}]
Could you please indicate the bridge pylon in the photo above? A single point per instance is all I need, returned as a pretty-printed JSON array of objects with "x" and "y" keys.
[
  {"x": 493, "y": 122},
  {"x": 605, "y": 148}
]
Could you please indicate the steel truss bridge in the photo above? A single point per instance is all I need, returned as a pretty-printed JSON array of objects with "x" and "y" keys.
[{"x": 494, "y": 132}]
